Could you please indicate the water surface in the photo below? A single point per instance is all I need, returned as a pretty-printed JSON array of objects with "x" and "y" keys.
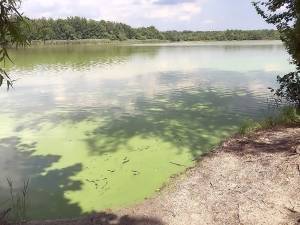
[{"x": 97, "y": 127}]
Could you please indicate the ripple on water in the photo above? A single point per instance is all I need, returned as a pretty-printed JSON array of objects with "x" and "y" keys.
[{"x": 98, "y": 128}]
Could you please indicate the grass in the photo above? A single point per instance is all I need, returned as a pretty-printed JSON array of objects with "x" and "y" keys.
[
  {"x": 287, "y": 116},
  {"x": 18, "y": 204}
]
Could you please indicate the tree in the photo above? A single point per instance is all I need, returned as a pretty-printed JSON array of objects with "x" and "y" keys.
[
  {"x": 285, "y": 15},
  {"x": 10, "y": 33},
  {"x": 81, "y": 28}
]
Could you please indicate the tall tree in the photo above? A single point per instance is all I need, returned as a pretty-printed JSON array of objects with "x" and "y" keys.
[
  {"x": 10, "y": 34},
  {"x": 285, "y": 15}
]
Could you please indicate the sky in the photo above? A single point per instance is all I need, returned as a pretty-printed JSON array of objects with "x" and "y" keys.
[{"x": 163, "y": 14}]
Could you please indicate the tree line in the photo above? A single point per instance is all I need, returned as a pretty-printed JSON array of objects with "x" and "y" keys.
[{"x": 74, "y": 28}]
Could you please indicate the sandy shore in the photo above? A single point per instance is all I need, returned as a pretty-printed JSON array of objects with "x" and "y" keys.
[{"x": 248, "y": 180}]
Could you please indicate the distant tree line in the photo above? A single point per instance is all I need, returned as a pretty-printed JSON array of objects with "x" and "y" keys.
[
  {"x": 228, "y": 35},
  {"x": 74, "y": 28}
]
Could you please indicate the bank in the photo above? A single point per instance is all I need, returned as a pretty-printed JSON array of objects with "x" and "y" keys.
[{"x": 249, "y": 179}]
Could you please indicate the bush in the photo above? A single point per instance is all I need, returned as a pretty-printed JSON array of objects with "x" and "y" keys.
[
  {"x": 289, "y": 88},
  {"x": 287, "y": 116}
]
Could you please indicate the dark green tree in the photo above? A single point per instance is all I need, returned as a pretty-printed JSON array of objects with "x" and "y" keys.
[
  {"x": 285, "y": 15},
  {"x": 81, "y": 28},
  {"x": 10, "y": 34}
]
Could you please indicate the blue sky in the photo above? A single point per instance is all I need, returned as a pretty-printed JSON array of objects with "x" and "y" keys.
[{"x": 164, "y": 14}]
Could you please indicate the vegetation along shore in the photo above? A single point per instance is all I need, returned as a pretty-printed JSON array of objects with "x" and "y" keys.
[
  {"x": 251, "y": 178},
  {"x": 159, "y": 127},
  {"x": 77, "y": 28}
]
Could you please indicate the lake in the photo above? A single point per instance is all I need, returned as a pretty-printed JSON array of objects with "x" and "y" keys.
[{"x": 99, "y": 127}]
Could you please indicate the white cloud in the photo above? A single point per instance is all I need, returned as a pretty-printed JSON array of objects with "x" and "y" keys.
[
  {"x": 164, "y": 14},
  {"x": 116, "y": 10},
  {"x": 183, "y": 11},
  {"x": 208, "y": 21}
]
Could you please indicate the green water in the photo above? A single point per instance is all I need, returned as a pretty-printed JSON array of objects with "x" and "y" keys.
[{"x": 98, "y": 127}]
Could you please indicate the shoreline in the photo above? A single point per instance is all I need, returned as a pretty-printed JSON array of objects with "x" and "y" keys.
[
  {"x": 105, "y": 42},
  {"x": 272, "y": 155}
]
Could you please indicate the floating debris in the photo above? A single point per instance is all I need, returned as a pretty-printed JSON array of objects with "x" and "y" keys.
[
  {"x": 177, "y": 164},
  {"x": 135, "y": 172},
  {"x": 125, "y": 160},
  {"x": 94, "y": 182}
]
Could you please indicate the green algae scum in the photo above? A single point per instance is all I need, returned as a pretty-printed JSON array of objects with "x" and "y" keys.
[{"x": 97, "y": 127}]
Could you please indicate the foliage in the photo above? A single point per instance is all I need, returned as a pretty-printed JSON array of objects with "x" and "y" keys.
[
  {"x": 16, "y": 211},
  {"x": 10, "y": 33},
  {"x": 284, "y": 14},
  {"x": 287, "y": 116},
  {"x": 228, "y": 35},
  {"x": 18, "y": 201},
  {"x": 289, "y": 88},
  {"x": 74, "y": 28}
]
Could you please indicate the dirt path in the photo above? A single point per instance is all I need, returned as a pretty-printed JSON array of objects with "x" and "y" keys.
[{"x": 254, "y": 180}]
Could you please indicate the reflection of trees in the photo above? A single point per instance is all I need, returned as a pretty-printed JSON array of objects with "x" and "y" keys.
[
  {"x": 119, "y": 96},
  {"x": 47, "y": 189},
  {"x": 191, "y": 112},
  {"x": 194, "y": 119},
  {"x": 78, "y": 56}
]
